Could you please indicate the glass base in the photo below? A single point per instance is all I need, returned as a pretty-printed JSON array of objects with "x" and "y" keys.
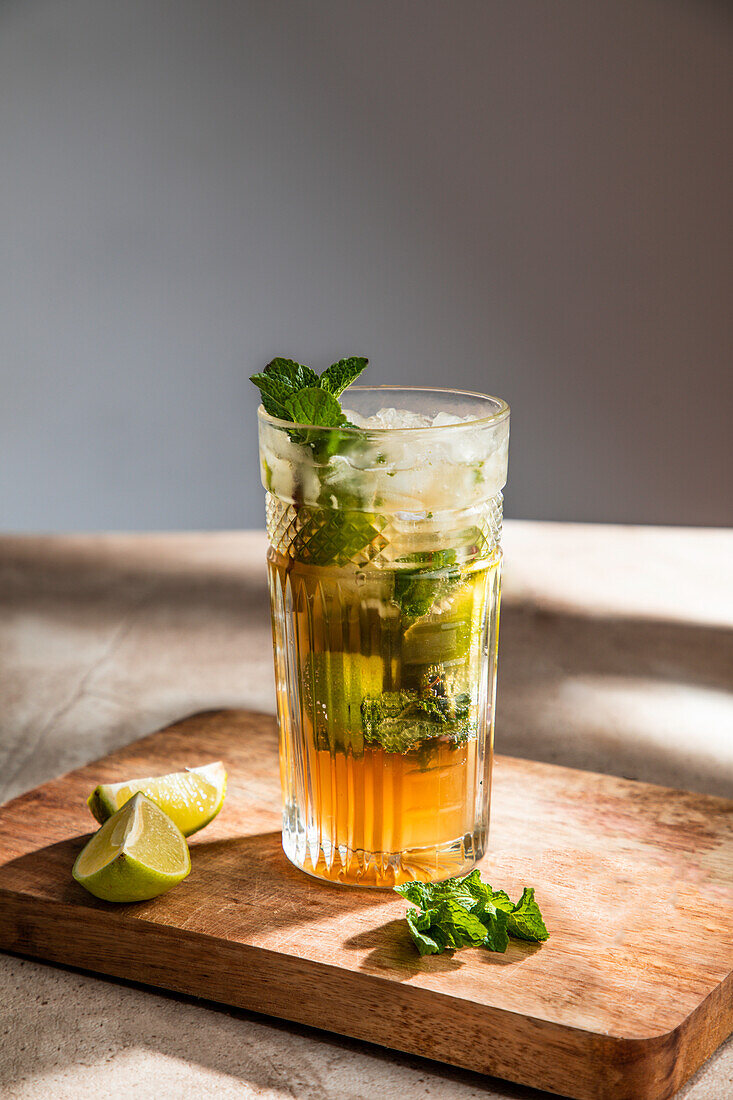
[{"x": 381, "y": 870}]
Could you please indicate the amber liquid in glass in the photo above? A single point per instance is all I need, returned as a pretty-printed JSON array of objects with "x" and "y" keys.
[{"x": 385, "y": 682}]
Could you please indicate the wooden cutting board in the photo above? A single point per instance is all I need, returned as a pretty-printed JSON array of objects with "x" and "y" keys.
[{"x": 630, "y": 994}]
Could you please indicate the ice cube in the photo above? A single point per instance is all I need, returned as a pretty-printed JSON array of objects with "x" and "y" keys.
[
  {"x": 443, "y": 419},
  {"x": 390, "y": 418}
]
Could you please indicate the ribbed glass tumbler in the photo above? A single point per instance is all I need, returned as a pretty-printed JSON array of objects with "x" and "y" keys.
[{"x": 384, "y": 567}]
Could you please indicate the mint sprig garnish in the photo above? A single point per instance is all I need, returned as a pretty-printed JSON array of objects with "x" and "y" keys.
[
  {"x": 314, "y": 406},
  {"x": 278, "y": 382},
  {"x": 337, "y": 529},
  {"x": 342, "y": 374},
  {"x": 294, "y": 392},
  {"x": 466, "y": 912}
]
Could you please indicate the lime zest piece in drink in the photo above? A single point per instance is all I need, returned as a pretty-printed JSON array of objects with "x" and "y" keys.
[
  {"x": 191, "y": 798},
  {"x": 333, "y": 685},
  {"x": 137, "y": 854},
  {"x": 466, "y": 912}
]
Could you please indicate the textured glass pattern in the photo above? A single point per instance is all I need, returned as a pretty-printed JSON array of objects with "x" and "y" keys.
[
  {"x": 324, "y": 536},
  {"x": 385, "y": 660}
]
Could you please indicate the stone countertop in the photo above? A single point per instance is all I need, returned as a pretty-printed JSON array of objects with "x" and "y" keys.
[{"x": 616, "y": 655}]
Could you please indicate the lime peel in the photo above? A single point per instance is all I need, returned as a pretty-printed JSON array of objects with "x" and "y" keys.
[{"x": 191, "y": 798}]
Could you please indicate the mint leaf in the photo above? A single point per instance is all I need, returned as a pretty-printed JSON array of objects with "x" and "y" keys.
[
  {"x": 524, "y": 920},
  {"x": 428, "y": 940},
  {"x": 495, "y": 922},
  {"x": 400, "y": 720},
  {"x": 292, "y": 391},
  {"x": 467, "y": 912},
  {"x": 461, "y": 927},
  {"x": 292, "y": 374},
  {"x": 273, "y": 394},
  {"x": 417, "y": 590},
  {"x": 497, "y": 929},
  {"x": 340, "y": 375},
  {"x": 280, "y": 379},
  {"x": 428, "y": 895},
  {"x": 315, "y": 406}
]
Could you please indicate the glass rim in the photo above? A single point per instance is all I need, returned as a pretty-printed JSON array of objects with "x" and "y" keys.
[{"x": 500, "y": 413}]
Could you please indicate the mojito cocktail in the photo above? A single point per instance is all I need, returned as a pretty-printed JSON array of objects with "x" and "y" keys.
[{"x": 384, "y": 566}]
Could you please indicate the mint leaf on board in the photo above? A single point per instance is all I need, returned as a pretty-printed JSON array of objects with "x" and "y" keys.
[
  {"x": 340, "y": 375},
  {"x": 429, "y": 940},
  {"x": 524, "y": 920},
  {"x": 467, "y": 912},
  {"x": 460, "y": 926}
]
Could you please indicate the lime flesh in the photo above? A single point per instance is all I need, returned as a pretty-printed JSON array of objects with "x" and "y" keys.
[
  {"x": 191, "y": 798},
  {"x": 137, "y": 854}
]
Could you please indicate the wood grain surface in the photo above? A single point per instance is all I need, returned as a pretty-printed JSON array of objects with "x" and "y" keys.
[{"x": 630, "y": 994}]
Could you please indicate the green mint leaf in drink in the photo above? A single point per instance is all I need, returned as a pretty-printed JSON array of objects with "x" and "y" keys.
[
  {"x": 340, "y": 375},
  {"x": 284, "y": 379},
  {"x": 417, "y": 589},
  {"x": 296, "y": 376},
  {"x": 465, "y": 912},
  {"x": 315, "y": 406},
  {"x": 273, "y": 395},
  {"x": 400, "y": 720},
  {"x": 280, "y": 379},
  {"x": 339, "y": 530}
]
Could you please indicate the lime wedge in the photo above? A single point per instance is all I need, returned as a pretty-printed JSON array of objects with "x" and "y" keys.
[
  {"x": 138, "y": 854},
  {"x": 191, "y": 799}
]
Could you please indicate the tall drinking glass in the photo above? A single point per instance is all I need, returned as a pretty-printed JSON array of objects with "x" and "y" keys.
[{"x": 384, "y": 566}]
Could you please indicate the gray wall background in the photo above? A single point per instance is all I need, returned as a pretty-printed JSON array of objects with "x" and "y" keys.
[{"x": 528, "y": 198}]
